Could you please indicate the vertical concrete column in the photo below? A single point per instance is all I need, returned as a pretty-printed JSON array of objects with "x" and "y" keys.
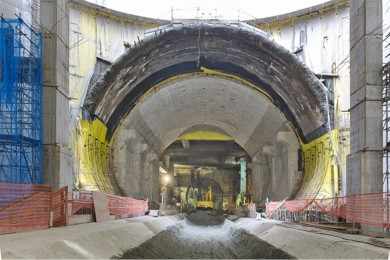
[
  {"x": 172, "y": 183},
  {"x": 279, "y": 171},
  {"x": 365, "y": 160},
  {"x": 261, "y": 178},
  {"x": 56, "y": 116},
  {"x": 289, "y": 144}
]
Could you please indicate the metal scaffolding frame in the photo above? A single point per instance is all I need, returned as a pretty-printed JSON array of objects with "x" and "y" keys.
[
  {"x": 386, "y": 124},
  {"x": 20, "y": 102}
]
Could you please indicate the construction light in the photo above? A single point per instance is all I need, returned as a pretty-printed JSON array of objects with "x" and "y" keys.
[{"x": 166, "y": 179}]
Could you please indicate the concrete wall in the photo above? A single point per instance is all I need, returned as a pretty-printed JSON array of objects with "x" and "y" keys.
[
  {"x": 56, "y": 115},
  {"x": 94, "y": 33},
  {"x": 275, "y": 170},
  {"x": 365, "y": 162},
  {"x": 29, "y": 10},
  {"x": 135, "y": 164},
  {"x": 323, "y": 37}
]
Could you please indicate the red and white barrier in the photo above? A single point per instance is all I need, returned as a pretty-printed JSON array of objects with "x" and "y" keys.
[
  {"x": 368, "y": 209},
  {"x": 25, "y": 207}
]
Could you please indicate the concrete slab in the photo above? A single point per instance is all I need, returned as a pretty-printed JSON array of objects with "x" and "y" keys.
[
  {"x": 93, "y": 240},
  {"x": 100, "y": 203},
  {"x": 314, "y": 243},
  {"x": 107, "y": 239}
]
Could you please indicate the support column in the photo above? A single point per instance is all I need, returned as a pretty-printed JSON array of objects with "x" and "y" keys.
[
  {"x": 242, "y": 176},
  {"x": 57, "y": 157},
  {"x": 261, "y": 178},
  {"x": 365, "y": 161},
  {"x": 279, "y": 172}
]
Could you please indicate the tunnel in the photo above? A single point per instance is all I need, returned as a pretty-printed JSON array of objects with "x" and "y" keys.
[
  {"x": 201, "y": 96},
  {"x": 132, "y": 137}
]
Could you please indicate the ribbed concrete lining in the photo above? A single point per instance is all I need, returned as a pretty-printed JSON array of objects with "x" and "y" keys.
[
  {"x": 200, "y": 102},
  {"x": 232, "y": 49}
]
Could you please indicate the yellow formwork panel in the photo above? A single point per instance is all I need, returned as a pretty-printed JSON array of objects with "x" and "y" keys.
[
  {"x": 205, "y": 136},
  {"x": 92, "y": 155},
  {"x": 321, "y": 172}
]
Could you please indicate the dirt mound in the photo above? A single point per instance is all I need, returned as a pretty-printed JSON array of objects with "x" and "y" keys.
[
  {"x": 189, "y": 241},
  {"x": 205, "y": 218}
]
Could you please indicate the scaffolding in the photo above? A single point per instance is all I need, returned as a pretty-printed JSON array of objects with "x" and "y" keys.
[
  {"x": 386, "y": 125},
  {"x": 20, "y": 102}
]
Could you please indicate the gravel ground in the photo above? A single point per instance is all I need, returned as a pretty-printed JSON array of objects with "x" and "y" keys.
[{"x": 186, "y": 240}]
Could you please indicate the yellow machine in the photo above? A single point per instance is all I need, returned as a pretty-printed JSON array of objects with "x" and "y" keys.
[
  {"x": 203, "y": 193},
  {"x": 207, "y": 200}
]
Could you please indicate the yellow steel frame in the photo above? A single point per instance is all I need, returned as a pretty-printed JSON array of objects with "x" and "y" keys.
[
  {"x": 321, "y": 167},
  {"x": 205, "y": 136},
  {"x": 92, "y": 154}
]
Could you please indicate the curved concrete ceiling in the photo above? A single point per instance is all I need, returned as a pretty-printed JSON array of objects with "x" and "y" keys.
[
  {"x": 203, "y": 103},
  {"x": 231, "y": 49}
]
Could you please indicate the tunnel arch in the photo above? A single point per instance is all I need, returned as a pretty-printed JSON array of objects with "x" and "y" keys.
[
  {"x": 206, "y": 102},
  {"x": 188, "y": 104},
  {"x": 226, "y": 50}
]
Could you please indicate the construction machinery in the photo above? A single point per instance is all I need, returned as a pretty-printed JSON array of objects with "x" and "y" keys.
[{"x": 203, "y": 193}]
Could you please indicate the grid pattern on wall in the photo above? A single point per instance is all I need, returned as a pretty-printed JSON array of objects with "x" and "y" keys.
[{"x": 20, "y": 102}]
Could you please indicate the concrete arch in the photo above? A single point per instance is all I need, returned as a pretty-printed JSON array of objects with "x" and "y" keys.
[
  {"x": 203, "y": 102},
  {"x": 182, "y": 104},
  {"x": 228, "y": 50}
]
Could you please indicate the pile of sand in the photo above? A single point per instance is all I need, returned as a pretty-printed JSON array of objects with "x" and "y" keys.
[{"x": 186, "y": 240}]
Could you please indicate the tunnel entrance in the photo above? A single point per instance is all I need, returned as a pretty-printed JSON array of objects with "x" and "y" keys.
[
  {"x": 204, "y": 126},
  {"x": 226, "y": 78},
  {"x": 206, "y": 173}
]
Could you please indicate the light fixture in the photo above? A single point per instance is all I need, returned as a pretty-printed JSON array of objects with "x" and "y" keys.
[{"x": 166, "y": 179}]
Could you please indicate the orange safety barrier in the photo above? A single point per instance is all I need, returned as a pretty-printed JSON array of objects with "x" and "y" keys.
[
  {"x": 59, "y": 207},
  {"x": 123, "y": 207},
  {"x": 368, "y": 209},
  {"x": 81, "y": 207},
  {"x": 118, "y": 206},
  {"x": 24, "y": 207},
  {"x": 81, "y": 204}
]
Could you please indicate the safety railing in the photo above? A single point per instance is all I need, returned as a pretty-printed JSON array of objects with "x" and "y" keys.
[
  {"x": 25, "y": 207},
  {"x": 361, "y": 209},
  {"x": 124, "y": 207}
]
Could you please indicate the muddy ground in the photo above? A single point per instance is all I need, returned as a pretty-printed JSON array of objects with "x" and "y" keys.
[{"x": 186, "y": 240}]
